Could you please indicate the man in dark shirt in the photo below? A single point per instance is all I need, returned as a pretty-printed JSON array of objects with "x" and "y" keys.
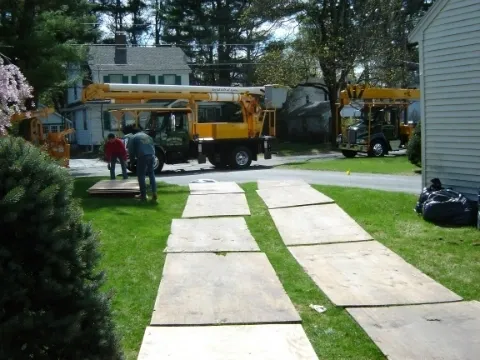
[
  {"x": 115, "y": 149},
  {"x": 141, "y": 147}
]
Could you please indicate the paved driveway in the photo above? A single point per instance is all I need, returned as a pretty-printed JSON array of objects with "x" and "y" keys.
[{"x": 264, "y": 170}]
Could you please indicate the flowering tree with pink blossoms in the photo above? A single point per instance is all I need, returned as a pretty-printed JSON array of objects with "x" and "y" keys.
[{"x": 14, "y": 91}]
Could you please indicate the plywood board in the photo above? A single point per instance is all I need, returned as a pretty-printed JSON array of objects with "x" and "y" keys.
[
  {"x": 316, "y": 224},
  {"x": 114, "y": 186},
  {"x": 267, "y": 184},
  {"x": 224, "y": 187},
  {"x": 368, "y": 274},
  {"x": 253, "y": 342},
  {"x": 206, "y": 288},
  {"x": 210, "y": 234},
  {"x": 216, "y": 205},
  {"x": 279, "y": 197},
  {"x": 439, "y": 331}
]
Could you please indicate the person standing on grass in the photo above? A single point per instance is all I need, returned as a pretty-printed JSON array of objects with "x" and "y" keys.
[
  {"x": 141, "y": 147},
  {"x": 115, "y": 149}
]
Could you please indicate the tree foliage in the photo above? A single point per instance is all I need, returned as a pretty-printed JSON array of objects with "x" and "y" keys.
[
  {"x": 14, "y": 92},
  {"x": 284, "y": 64},
  {"x": 51, "y": 306},
  {"x": 220, "y": 42},
  {"x": 39, "y": 37}
]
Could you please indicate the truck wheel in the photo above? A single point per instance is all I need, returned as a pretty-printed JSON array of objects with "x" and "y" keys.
[
  {"x": 241, "y": 158},
  {"x": 217, "y": 161},
  {"x": 377, "y": 148},
  {"x": 349, "y": 153},
  {"x": 159, "y": 161}
]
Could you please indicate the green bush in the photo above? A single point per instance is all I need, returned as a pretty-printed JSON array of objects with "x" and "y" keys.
[
  {"x": 414, "y": 147},
  {"x": 50, "y": 303},
  {"x": 101, "y": 150}
]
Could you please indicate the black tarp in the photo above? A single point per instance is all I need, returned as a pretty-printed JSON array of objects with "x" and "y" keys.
[{"x": 445, "y": 206}]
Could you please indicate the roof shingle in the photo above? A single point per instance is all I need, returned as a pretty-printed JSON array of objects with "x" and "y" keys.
[{"x": 139, "y": 58}]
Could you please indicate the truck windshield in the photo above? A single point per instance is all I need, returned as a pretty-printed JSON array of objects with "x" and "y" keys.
[{"x": 157, "y": 121}]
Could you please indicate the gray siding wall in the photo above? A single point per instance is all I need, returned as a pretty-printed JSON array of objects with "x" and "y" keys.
[{"x": 451, "y": 93}]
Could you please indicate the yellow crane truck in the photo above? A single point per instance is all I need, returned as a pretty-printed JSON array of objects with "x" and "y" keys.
[
  {"x": 232, "y": 133},
  {"x": 383, "y": 124},
  {"x": 31, "y": 129}
]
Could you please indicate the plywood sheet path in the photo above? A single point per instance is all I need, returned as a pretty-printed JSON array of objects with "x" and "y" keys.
[
  {"x": 267, "y": 184},
  {"x": 316, "y": 224},
  {"x": 236, "y": 288},
  {"x": 216, "y": 205},
  {"x": 428, "y": 332},
  {"x": 279, "y": 197},
  {"x": 253, "y": 342},
  {"x": 210, "y": 234},
  {"x": 368, "y": 274},
  {"x": 114, "y": 186},
  {"x": 223, "y": 187}
]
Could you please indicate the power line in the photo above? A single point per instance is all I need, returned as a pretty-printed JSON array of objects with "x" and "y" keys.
[{"x": 172, "y": 45}]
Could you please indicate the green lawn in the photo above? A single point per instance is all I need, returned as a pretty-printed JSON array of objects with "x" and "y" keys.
[
  {"x": 398, "y": 165},
  {"x": 133, "y": 237},
  {"x": 450, "y": 256}
]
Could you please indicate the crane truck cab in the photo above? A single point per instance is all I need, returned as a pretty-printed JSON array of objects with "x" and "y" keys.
[{"x": 382, "y": 125}]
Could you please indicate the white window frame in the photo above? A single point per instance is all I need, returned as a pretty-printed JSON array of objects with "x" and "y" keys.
[
  {"x": 146, "y": 79},
  {"x": 169, "y": 79},
  {"x": 118, "y": 77}
]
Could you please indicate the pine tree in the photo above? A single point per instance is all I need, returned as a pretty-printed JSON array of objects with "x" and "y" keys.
[
  {"x": 216, "y": 37},
  {"x": 50, "y": 303}
]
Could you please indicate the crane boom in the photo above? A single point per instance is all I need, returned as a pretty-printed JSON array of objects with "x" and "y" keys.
[
  {"x": 368, "y": 94},
  {"x": 125, "y": 93},
  {"x": 257, "y": 90}
]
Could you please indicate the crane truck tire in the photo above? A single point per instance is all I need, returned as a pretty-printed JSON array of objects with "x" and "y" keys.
[
  {"x": 217, "y": 161},
  {"x": 378, "y": 148},
  {"x": 349, "y": 153},
  {"x": 241, "y": 158},
  {"x": 158, "y": 162}
]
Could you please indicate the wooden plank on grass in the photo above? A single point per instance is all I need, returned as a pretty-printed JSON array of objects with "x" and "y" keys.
[
  {"x": 279, "y": 197},
  {"x": 267, "y": 184},
  {"x": 114, "y": 186},
  {"x": 439, "y": 331},
  {"x": 232, "y": 288},
  {"x": 368, "y": 274},
  {"x": 216, "y": 205},
  {"x": 224, "y": 187},
  {"x": 252, "y": 342},
  {"x": 316, "y": 224},
  {"x": 210, "y": 235}
]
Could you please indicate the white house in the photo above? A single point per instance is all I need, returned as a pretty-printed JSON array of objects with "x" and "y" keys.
[
  {"x": 448, "y": 39},
  {"x": 120, "y": 63}
]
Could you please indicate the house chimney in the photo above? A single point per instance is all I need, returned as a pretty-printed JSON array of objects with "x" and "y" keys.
[{"x": 120, "y": 48}]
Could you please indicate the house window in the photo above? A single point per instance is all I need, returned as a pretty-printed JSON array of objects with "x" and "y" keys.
[
  {"x": 45, "y": 129},
  {"x": 143, "y": 79},
  {"x": 169, "y": 79},
  {"x": 116, "y": 79},
  {"x": 85, "y": 125},
  {"x": 53, "y": 128},
  {"x": 75, "y": 93}
]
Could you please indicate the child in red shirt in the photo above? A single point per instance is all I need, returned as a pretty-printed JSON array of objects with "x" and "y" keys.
[{"x": 115, "y": 149}]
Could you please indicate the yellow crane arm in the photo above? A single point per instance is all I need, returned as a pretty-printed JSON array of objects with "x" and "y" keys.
[
  {"x": 368, "y": 94},
  {"x": 42, "y": 113},
  {"x": 141, "y": 93}
]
